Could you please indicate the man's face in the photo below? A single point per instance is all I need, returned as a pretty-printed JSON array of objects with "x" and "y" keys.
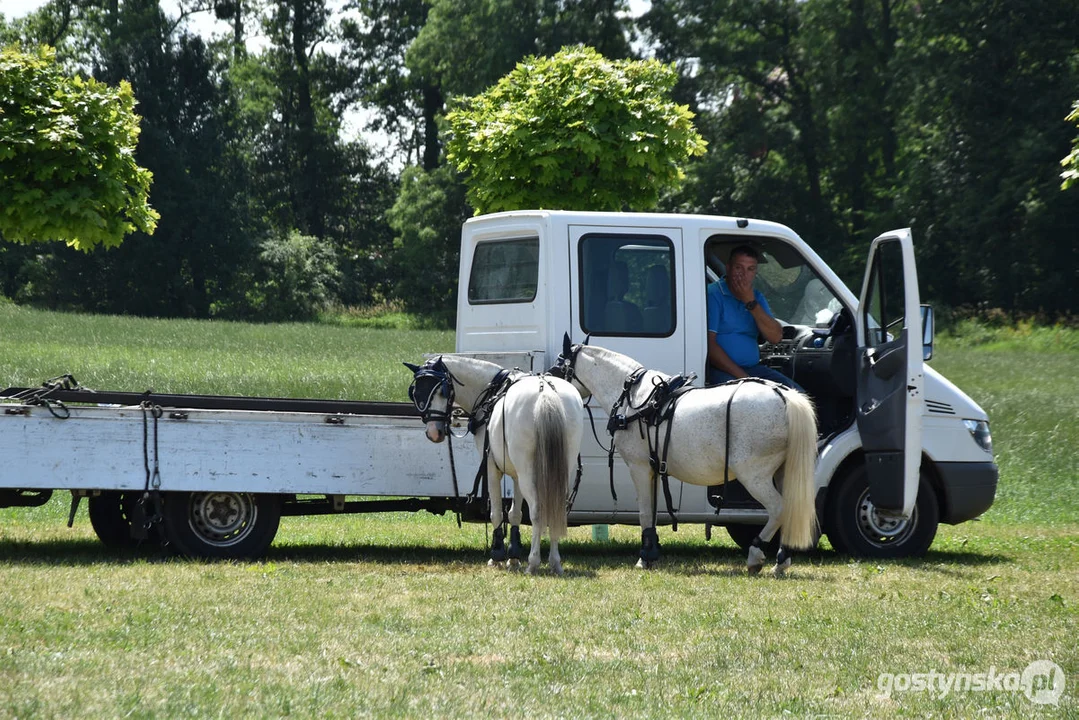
[{"x": 742, "y": 269}]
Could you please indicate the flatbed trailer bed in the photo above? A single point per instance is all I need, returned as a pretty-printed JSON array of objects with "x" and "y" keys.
[{"x": 215, "y": 473}]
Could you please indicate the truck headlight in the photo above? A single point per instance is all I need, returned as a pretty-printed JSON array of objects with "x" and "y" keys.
[{"x": 979, "y": 430}]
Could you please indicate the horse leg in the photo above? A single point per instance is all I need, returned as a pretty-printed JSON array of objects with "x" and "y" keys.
[
  {"x": 553, "y": 557},
  {"x": 783, "y": 562},
  {"x": 516, "y": 514},
  {"x": 644, "y": 483},
  {"x": 494, "y": 488},
  {"x": 763, "y": 489},
  {"x": 528, "y": 487}
]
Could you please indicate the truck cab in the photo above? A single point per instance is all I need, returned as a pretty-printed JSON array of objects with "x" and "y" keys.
[{"x": 900, "y": 447}]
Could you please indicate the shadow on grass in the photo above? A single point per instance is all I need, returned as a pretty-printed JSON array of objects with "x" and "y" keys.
[
  {"x": 73, "y": 553},
  {"x": 583, "y": 559}
]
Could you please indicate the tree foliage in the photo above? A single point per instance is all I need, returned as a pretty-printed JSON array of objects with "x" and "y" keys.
[
  {"x": 1071, "y": 161},
  {"x": 575, "y": 130},
  {"x": 426, "y": 220},
  {"x": 841, "y": 118},
  {"x": 67, "y": 156}
]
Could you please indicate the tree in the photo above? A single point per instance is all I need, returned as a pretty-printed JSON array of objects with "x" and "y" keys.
[
  {"x": 67, "y": 156},
  {"x": 426, "y": 220},
  {"x": 1071, "y": 162},
  {"x": 376, "y": 35},
  {"x": 986, "y": 87},
  {"x": 573, "y": 131}
]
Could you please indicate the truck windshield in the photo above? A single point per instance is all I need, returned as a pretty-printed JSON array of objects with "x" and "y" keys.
[{"x": 796, "y": 293}]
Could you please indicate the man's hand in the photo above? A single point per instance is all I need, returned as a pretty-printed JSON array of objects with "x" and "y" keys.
[{"x": 741, "y": 286}]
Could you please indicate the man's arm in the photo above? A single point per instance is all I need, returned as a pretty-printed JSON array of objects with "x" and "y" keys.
[
  {"x": 720, "y": 360},
  {"x": 768, "y": 325}
]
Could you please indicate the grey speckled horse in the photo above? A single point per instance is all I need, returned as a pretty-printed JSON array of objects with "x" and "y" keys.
[
  {"x": 535, "y": 436},
  {"x": 767, "y": 432}
]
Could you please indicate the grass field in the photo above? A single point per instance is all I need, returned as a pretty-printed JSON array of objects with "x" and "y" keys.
[{"x": 397, "y": 616}]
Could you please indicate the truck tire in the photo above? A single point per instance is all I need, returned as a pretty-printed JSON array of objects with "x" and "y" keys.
[
  {"x": 221, "y": 525},
  {"x": 110, "y": 516},
  {"x": 855, "y": 527}
]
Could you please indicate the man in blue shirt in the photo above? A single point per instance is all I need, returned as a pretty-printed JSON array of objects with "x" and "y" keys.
[{"x": 736, "y": 315}]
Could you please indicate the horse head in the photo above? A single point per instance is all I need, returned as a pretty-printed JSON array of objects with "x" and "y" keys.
[
  {"x": 565, "y": 366},
  {"x": 432, "y": 393}
]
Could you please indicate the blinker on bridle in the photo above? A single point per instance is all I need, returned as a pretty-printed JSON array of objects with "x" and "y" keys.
[{"x": 428, "y": 381}]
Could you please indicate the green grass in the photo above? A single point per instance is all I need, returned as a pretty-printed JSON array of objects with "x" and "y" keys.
[
  {"x": 397, "y": 616},
  {"x": 199, "y": 356}
]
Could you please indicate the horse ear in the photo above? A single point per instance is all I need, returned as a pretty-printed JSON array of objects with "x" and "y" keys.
[
  {"x": 587, "y": 338},
  {"x": 414, "y": 368},
  {"x": 567, "y": 345}
]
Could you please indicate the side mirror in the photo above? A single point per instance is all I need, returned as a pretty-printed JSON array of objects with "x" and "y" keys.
[{"x": 927, "y": 332}]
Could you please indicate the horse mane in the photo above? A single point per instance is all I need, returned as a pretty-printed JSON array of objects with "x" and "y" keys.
[{"x": 625, "y": 362}]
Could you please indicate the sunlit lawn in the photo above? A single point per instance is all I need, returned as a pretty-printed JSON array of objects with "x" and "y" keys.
[{"x": 397, "y": 615}]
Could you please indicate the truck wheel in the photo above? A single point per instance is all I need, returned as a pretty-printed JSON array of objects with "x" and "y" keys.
[
  {"x": 110, "y": 516},
  {"x": 221, "y": 525},
  {"x": 855, "y": 527}
]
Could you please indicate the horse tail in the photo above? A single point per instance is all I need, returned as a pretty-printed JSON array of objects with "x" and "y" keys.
[
  {"x": 798, "y": 521},
  {"x": 549, "y": 463}
]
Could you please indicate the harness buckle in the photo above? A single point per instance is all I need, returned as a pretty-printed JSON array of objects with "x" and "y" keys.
[{"x": 615, "y": 423}]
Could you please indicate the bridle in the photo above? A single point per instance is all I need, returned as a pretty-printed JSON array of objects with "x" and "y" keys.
[
  {"x": 429, "y": 381},
  {"x": 565, "y": 366}
]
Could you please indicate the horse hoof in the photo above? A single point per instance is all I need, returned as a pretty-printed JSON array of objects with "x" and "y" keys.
[
  {"x": 513, "y": 564},
  {"x": 754, "y": 569},
  {"x": 557, "y": 570},
  {"x": 781, "y": 568},
  {"x": 643, "y": 564},
  {"x": 531, "y": 569}
]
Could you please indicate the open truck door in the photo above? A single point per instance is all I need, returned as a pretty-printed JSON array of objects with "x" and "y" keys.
[{"x": 891, "y": 384}]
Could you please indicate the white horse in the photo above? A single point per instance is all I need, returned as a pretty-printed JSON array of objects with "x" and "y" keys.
[
  {"x": 770, "y": 427},
  {"x": 532, "y": 427}
]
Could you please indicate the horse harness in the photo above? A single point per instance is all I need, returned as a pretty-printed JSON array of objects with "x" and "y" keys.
[
  {"x": 436, "y": 377},
  {"x": 657, "y": 408}
]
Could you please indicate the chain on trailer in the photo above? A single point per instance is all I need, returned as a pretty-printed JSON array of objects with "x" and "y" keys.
[{"x": 147, "y": 515}]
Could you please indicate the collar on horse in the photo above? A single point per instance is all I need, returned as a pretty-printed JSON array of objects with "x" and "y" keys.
[{"x": 485, "y": 403}]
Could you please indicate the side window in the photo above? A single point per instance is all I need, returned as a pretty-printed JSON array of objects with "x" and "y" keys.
[
  {"x": 627, "y": 285},
  {"x": 885, "y": 301},
  {"x": 504, "y": 271}
]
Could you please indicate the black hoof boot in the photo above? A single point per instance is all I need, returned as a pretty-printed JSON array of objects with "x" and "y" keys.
[
  {"x": 498, "y": 545},
  {"x": 649, "y": 546},
  {"x": 516, "y": 551}
]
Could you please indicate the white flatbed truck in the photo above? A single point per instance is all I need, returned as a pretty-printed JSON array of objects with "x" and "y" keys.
[{"x": 901, "y": 447}]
